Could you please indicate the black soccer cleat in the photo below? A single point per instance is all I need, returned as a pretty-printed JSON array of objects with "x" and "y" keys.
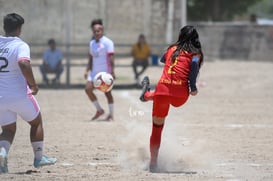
[
  {"x": 153, "y": 168},
  {"x": 145, "y": 87}
]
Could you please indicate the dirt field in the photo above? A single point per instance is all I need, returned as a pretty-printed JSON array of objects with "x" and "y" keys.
[{"x": 223, "y": 134}]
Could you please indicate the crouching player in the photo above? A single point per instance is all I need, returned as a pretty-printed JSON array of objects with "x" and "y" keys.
[{"x": 178, "y": 80}]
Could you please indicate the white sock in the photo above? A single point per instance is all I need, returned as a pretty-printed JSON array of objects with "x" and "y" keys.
[
  {"x": 5, "y": 144},
  {"x": 97, "y": 105},
  {"x": 38, "y": 149},
  {"x": 111, "y": 109}
]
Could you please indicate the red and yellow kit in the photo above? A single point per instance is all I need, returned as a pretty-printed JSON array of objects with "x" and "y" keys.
[
  {"x": 174, "y": 79},
  {"x": 173, "y": 86}
]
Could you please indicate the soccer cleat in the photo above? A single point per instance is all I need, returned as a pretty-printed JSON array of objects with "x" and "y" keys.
[
  {"x": 98, "y": 114},
  {"x": 145, "y": 87},
  {"x": 109, "y": 118},
  {"x": 154, "y": 168},
  {"x": 44, "y": 161},
  {"x": 3, "y": 160}
]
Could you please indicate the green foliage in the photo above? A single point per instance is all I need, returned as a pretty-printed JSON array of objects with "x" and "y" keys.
[
  {"x": 217, "y": 10},
  {"x": 263, "y": 9}
]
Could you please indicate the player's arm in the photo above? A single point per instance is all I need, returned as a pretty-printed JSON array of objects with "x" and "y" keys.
[
  {"x": 28, "y": 74},
  {"x": 110, "y": 54},
  {"x": 88, "y": 66},
  {"x": 162, "y": 59},
  {"x": 112, "y": 63},
  {"x": 194, "y": 70}
]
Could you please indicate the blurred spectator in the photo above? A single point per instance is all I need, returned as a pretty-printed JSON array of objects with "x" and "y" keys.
[
  {"x": 253, "y": 18},
  {"x": 52, "y": 62},
  {"x": 140, "y": 52}
]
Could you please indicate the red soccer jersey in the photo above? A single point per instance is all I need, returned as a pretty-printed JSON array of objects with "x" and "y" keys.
[{"x": 175, "y": 76}]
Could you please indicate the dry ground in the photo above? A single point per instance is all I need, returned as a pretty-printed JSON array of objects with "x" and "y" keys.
[{"x": 225, "y": 133}]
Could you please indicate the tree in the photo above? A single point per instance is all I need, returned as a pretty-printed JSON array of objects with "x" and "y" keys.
[
  {"x": 217, "y": 10},
  {"x": 263, "y": 9}
]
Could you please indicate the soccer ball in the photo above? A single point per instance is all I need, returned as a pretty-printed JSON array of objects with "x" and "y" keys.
[{"x": 103, "y": 81}]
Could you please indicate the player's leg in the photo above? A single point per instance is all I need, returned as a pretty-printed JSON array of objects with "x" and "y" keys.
[
  {"x": 37, "y": 140},
  {"x": 110, "y": 101},
  {"x": 146, "y": 94},
  {"x": 8, "y": 125},
  {"x": 160, "y": 111},
  {"x": 29, "y": 110},
  {"x": 37, "y": 137},
  {"x": 155, "y": 141},
  {"x": 178, "y": 101},
  {"x": 89, "y": 89},
  {"x": 6, "y": 139},
  {"x": 182, "y": 99},
  {"x": 7, "y": 136}
]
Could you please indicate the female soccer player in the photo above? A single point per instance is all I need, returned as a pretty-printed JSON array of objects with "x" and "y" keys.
[
  {"x": 18, "y": 86},
  {"x": 101, "y": 59},
  {"x": 178, "y": 80}
]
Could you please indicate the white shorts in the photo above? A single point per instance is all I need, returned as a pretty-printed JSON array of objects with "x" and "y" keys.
[
  {"x": 26, "y": 107},
  {"x": 92, "y": 75}
]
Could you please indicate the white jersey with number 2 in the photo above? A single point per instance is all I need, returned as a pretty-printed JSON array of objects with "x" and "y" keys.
[{"x": 12, "y": 81}]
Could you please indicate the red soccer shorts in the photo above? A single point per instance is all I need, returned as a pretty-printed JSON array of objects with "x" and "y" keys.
[{"x": 161, "y": 104}]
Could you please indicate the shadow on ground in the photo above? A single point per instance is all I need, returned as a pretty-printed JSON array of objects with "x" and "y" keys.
[{"x": 82, "y": 86}]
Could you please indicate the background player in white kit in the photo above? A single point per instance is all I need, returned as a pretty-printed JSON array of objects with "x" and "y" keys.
[
  {"x": 101, "y": 59},
  {"x": 16, "y": 94}
]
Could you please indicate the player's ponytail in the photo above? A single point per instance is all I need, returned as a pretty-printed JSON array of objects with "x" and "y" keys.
[{"x": 188, "y": 40}]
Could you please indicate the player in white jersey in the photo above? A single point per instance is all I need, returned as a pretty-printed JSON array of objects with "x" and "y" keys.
[
  {"x": 16, "y": 94},
  {"x": 101, "y": 59}
]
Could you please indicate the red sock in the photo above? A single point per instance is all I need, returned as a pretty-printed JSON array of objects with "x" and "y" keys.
[
  {"x": 149, "y": 95},
  {"x": 155, "y": 140}
]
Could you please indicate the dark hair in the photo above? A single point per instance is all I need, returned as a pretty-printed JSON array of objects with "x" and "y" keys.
[
  {"x": 51, "y": 41},
  {"x": 95, "y": 22},
  {"x": 188, "y": 40},
  {"x": 12, "y": 21},
  {"x": 141, "y": 36}
]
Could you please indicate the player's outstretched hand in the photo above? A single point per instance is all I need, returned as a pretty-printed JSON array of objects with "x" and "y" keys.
[
  {"x": 34, "y": 89},
  {"x": 194, "y": 93}
]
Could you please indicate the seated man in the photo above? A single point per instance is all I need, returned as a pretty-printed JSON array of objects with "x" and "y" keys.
[
  {"x": 141, "y": 52},
  {"x": 52, "y": 62}
]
